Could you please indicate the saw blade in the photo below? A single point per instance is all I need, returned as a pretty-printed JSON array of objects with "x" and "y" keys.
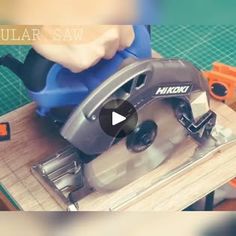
[{"x": 119, "y": 165}]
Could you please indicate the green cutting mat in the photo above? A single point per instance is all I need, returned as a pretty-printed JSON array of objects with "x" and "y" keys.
[
  {"x": 12, "y": 91},
  {"x": 201, "y": 45}
]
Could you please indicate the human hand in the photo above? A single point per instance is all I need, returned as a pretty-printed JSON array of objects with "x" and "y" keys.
[{"x": 96, "y": 42}]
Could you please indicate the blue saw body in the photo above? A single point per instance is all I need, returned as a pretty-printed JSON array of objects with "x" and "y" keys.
[
  {"x": 64, "y": 88},
  {"x": 51, "y": 85}
]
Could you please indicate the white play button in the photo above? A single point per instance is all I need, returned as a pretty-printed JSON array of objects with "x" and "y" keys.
[{"x": 117, "y": 118}]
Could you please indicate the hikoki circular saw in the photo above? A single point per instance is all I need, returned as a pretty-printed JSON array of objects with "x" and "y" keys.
[
  {"x": 164, "y": 101},
  {"x": 171, "y": 104}
]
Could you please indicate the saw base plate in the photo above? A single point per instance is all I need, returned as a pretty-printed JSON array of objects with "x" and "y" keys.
[{"x": 61, "y": 174}]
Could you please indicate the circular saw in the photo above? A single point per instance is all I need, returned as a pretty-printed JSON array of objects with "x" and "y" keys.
[
  {"x": 126, "y": 117},
  {"x": 171, "y": 103}
]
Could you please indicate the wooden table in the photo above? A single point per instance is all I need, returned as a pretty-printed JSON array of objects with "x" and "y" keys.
[{"x": 33, "y": 140}]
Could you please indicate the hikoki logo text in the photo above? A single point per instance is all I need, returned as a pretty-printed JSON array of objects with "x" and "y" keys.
[{"x": 173, "y": 90}]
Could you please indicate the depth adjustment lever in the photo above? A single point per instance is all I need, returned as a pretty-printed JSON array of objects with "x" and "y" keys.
[{"x": 200, "y": 130}]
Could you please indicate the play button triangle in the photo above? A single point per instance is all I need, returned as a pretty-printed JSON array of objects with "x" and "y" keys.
[{"x": 117, "y": 118}]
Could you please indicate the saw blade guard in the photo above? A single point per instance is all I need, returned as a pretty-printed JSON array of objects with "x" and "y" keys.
[{"x": 170, "y": 88}]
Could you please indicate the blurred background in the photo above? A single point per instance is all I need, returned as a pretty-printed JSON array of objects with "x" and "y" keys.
[{"x": 116, "y": 224}]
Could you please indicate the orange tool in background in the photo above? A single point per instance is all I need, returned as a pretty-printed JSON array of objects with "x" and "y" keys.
[
  {"x": 5, "y": 132},
  {"x": 222, "y": 85},
  {"x": 233, "y": 183},
  {"x": 222, "y": 81}
]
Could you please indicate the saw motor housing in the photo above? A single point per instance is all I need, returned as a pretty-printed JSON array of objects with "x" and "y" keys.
[{"x": 54, "y": 87}]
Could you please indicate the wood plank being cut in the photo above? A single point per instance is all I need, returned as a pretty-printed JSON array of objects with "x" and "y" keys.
[{"x": 32, "y": 140}]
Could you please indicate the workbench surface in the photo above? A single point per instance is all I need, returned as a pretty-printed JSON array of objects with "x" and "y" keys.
[{"x": 33, "y": 140}]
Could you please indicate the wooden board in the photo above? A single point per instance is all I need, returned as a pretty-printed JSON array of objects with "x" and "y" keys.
[{"x": 33, "y": 140}]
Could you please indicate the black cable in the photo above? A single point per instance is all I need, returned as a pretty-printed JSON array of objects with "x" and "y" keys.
[
  {"x": 1, "y": 60},
  {"x": 149, "y": 28},
  {"x": 209, "y": 204},
  {"x": 11, "y": 63}
]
